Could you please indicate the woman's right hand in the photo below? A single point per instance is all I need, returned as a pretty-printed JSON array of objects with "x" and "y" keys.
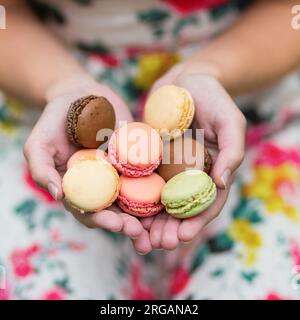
[{"x": 47, "y": 151}]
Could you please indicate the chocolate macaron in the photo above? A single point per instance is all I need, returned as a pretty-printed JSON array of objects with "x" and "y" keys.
[
  {"x": 182, "y": 154},
  {"x": 86, "y": 117}
]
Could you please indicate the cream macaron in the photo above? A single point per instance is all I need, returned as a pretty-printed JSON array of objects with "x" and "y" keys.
[
  {"x": 91, "y": 185},
  {"x": 170, "y": 110}
]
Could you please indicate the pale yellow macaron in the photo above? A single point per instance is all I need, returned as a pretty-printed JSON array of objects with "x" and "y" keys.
[
  {"x": 170, "y": 109},
  {"x": 91, "y": 185}
]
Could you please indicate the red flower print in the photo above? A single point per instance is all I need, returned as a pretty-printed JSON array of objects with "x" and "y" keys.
[
  {"x": 4, "y": 294},
  {"x": 56, "y": 293},
  {"x": 41, "y": 193},
  {"x": 21, "y": 260},
  {"x": 273, "y": 155},
  {"x": 185, "y": 7},
  {"x": 140, "y": 291},
  {"x": 179, "y": 280},
  {"x": 108, "y": 60},
  {"x": 275, "y": 296},
  {"x": 295, "y": 252}
]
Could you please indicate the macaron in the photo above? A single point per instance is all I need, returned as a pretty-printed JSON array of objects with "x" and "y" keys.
[
  {"x": 182, "y": 154},
  {"x": 86, "y": 116},
  {"x": 188, "y": 194},
  {"x": 87, "y": 154},
  {"x": 170, "y": 109},
  {"x": 135, "y": 149},
  {"x": 91, "y": 185},
  {"x": 141, "y": 196}
]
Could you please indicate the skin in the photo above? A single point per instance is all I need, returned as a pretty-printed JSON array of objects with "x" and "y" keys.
[{"x": 223, "y": 68}]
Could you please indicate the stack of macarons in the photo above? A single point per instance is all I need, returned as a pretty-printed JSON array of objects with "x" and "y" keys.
[{"x": 133, "y": 171}]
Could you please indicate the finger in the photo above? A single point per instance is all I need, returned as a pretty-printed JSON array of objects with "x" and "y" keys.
[
  {"x": 147, "y": 222},
  {"x": 170, "y": 239},
  {"x": 231, "y": 142},
  {"x": 168, "y": 78},
  {"x": 157, "y": 229},
  {"x": 142, "y": 244},
  {"x": 132, "y": 227},
  {"x": 191, "y": 227},
  {"x": 105, "y": 219},
  {"x": 42, "y": 168}
]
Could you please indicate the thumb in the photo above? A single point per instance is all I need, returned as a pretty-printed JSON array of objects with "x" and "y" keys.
[
  {"x": 42, "y": 169},
  {"x": 231, "y": 143}
]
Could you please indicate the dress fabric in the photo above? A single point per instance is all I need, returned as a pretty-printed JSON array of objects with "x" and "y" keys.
[{"x": 252, "y": 251}]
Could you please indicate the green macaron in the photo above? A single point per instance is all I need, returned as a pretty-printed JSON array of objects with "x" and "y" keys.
[{"x": 188, "y": 194}]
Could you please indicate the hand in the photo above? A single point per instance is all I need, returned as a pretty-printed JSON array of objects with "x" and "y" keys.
[
  {"x": 47, "y": 151},
  {"x": 224, "y": 129}
]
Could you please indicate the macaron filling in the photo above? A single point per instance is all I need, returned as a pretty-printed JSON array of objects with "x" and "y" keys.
[
  {"x": 205, "y": 197},
  {"x": 186, "y": 117},
  {"x": 131, "y": 206}
]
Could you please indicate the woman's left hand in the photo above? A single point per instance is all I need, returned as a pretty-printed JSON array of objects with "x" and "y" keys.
[{"x": 224, "y": 133}]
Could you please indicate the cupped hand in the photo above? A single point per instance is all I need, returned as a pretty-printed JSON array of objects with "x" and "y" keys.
[
  {"x": 47, "y": 151},
  {"x": 224, "y": 135}
]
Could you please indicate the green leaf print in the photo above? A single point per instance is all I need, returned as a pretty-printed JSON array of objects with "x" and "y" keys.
[
  {"x": 97, "y": 47},
  {"x": 26, "y": 210},
  {"x": 220, "y": 11},
  {"x": 249, "y": 276},
  {"x": 153, "y": 16},
  {"x": 130, "y": 90},
  {"x": 248, "y": 210},
  {"x": 50, "y": 215},
  {"x": 83, "y": 2},
  {"x": 47, "y": 12},
  {"x": 199, "y": 258},
  {"x": 220, "y": 243},
  {"x": 181, "y": 23},
  {"x": 64, "y": 283},
  {"x": 116, "y": 237},
  {"x": 217, "y": 272}
]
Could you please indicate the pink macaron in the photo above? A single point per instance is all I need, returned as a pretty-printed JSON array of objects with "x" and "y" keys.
[
  {"x": 141, "y": 196},
  {"x": 135, "y": 149}
]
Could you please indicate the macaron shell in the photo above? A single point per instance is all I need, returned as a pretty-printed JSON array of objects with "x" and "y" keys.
[
  {"x": 138, "y": 144},
  {"x": 191, "y": 209},
  {"x": 170, "y": 110},
  {"x": 138, "y": 209},
  {"x": 188, "y": 193},
  {"x": 145, "y": 189},
  {"x": 141, "y": 196},
  {"x": 91, "y": 185},
  {"x": 135, "y": 149},
  {"x": 87, "y": 154},
  {"x": 86, "y": 117}
]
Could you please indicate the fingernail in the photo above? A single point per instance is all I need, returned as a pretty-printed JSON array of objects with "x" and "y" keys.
[
  {"x": 52, "y": 188},
  {"x": 141, "y": 253},
  {"x": 225, "y": 177}
]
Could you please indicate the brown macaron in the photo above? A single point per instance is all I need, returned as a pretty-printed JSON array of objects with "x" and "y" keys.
[
  {"x": 86, "y": 117},
  {"x": 182, "y": 154}
]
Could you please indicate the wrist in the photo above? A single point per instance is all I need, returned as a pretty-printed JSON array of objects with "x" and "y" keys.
[
  {"x": 202, "y": 67},
  {"x": 80, "y": 83}
]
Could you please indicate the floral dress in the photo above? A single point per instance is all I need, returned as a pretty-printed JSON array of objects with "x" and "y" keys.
[{"x": 252, "y": 251}]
